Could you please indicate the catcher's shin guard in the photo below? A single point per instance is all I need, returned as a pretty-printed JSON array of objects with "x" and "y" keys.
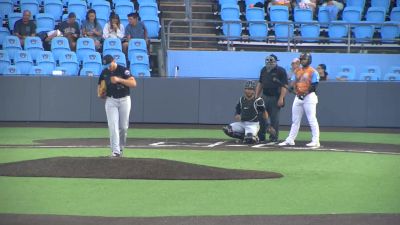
[
  {"x": 228, "y": 131},
  {"x": 250, "y": 139}
]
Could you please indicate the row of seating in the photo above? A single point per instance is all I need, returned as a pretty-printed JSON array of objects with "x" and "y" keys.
[
  {"x": 368, "y": 73},
  {"x": 85, "y": 55},
  {"x": 54, "y": 12}
]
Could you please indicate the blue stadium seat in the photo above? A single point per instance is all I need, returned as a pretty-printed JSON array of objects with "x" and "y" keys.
[
  {"x": 363, "y": 32},
  {"x": 381, "y": 3},
  {"x": 12, "y": 18},
  {"x": 124, "y": 8},
  {"x": 351, "y": 14},
  {"x": 230, "y": 12},
  {"x": 395, "y": 14},
  {"x": 258, "y": 31},
  {"x": 303, "y": 15},
  {"x": 4, "y": 60},
  {"x": 11, "y": 44},
  {"x": 123, "y": 19},
  {"x": 11, "y": 70},
  {"x": 371, "y": 73},
  {"x": 59, "y": 45},
  {"x": 45, "y": 60},
  {"x": 347, "y": 72},
  {"x": 44, "y": 22},
  {"x": 148, "y": 10},
  {"x": 84, "y": 46},
  {"x": 93, "y": 60},
  {"x": 376, "y": 15},
  {"x": 6, "y": 7},
  {"x": 278, "y": 13},
  {"x": 119, "y": 58},
  {"x": 310, "y": 32},
  {"x": 31, "y": 5},
  {"x": 79, "y": 7},
  {"x": 88, "y": 72},
  {"x": 232, "y": 30},
  {"x": 69, "y": 61},
  {"x": 389, "y": 32},
  {"x": 54, "y": 7},
  {"x": 140, "y": 61},
  {"x": 138, "y": 71},
  {"x": 37, "y": 71},
  {"x": 323, "y": 16},
  {"x": 222, "y": 2},
  {"x": 62, "y": 69},
  {"x": 356, "y": 3},
  {"x": 153, "y": 27},
  {"x": 34, "y": 46},
  {"x": 102, "y": 8},
  {"x": 23, "y": 61},
  {"x": 249, "y": 2},
  {"x": 283, "y": 32},
  {"x": 3, "y": 33},
  {"x": 255, "y": 14},
  {"x": 393, "y": 74},
  {"x": 338, "y": 31},
  {"x": 136, "y": 45},
  {"x": 102, "y": 20},
  {"x": 111, "y": 45}
]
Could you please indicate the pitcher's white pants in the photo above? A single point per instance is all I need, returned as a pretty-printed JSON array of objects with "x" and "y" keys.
[
  {"x": 309, "y": 106},
  {"x": 117, "y": 110}
]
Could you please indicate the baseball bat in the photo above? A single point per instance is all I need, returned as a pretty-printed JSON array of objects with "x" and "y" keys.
[{"x": 274, "y": 79}]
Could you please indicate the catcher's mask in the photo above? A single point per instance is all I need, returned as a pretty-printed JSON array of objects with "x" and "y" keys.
[
  {"x": 305, "y": 59},
  {"x": 250, "y": 84}
]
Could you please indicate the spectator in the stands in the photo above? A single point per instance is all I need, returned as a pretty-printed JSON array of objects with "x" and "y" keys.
[
  {"x": 24, "y": 27},
  {"x": 114, "y": 28},
  {"x": 333, "y": 7},
  {"x": 321, "y": 69},
  {"x": 293, "y": 67},
  {"x": 70, "y": 30},
  {"x": 287, "y": 3},
  {"x": 308, "y": 4},
  {"x": 135, "y": 29},
  {"x": 92, "y": 28}
]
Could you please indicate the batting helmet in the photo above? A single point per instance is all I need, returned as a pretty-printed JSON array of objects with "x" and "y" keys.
[
  {"x": 307, "y": 57},
  {"x": 250, "y": 84}
]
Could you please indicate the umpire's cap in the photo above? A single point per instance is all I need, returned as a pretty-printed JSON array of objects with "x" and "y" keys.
[
  {"x": 271, "y": 58},
  {"x": 107, "y": 59}
]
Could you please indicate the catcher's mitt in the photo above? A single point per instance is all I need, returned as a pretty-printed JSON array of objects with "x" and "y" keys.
[
  {"x": 302, "y": 88},
  {"x": 101, "y": 92}
]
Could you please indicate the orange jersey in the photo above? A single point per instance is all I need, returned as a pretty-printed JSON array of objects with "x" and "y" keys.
[{"x": 304, "y": 78}]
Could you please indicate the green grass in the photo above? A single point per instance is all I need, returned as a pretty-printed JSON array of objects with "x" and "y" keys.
[{"x": 314, "y": 182}]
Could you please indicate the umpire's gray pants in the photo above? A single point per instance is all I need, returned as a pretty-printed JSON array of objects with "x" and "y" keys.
[{"x": 117, "y": 110}]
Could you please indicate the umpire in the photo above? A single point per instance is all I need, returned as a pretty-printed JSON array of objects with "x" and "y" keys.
[{"x": 273, "y": 94}]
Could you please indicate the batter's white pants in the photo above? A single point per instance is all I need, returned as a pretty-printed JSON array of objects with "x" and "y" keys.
[
  {"x": 309, "y": 106},
  {"x": 117, "y": 110},
  {"x": 245, "y": 127}
]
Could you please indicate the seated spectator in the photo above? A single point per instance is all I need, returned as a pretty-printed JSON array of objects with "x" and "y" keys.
[
  {"x": 333, "y": 7},
  {"x": 308, "y": 4},
  {"x": 24, "y": 27},
  {"x": 293, "y": 66},
  {"x": 135, "y": 29},
  {"x": 114, "y": 28},
  {"x": 321, "y": 69},
  {"x": 70, "y": 30},
  {"x": 91, "y": 28}
]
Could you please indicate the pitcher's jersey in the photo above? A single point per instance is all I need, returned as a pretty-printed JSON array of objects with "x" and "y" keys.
[{"x": 250, "y": 108}]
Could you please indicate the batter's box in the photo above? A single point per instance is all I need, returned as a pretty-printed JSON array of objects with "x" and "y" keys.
[{"x": 186, "y": 144}]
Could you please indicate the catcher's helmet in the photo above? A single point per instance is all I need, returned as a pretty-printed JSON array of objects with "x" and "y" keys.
[
  {"x": 307, "y": 57},
  {"x": 250, "y": 84}
]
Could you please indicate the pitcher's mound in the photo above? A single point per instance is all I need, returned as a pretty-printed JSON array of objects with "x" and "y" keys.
[{"x": 126, "y": 168}]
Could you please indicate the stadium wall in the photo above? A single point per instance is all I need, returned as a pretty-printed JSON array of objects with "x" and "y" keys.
[
  {"x": 189, "y": 100},
  {"x": 237, "y": 64}
]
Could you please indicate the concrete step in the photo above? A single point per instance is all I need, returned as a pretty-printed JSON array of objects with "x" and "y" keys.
[
  {"x": 195, "y": 30},
  {"x": 181, "y": 7},
  {"x": 195, "y": 15},
  {"x": 184, "y": 44},
  {"x": 198, "y": 24}
]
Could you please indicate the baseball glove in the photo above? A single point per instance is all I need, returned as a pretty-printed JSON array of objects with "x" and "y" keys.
[
  {"x": 103, "y": 89},
  {"x": 302, "y": 88}
]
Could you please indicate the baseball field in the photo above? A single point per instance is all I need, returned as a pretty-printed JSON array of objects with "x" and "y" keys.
[{"x": 54, "y": 173}]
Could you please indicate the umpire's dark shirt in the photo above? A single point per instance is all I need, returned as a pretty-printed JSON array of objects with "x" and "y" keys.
[
  {"x": 271, "y": 88},
  {"x": 115, "y": 90}
]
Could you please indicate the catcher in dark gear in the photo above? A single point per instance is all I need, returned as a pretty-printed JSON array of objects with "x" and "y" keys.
[{"x": 247, "y": 110}]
